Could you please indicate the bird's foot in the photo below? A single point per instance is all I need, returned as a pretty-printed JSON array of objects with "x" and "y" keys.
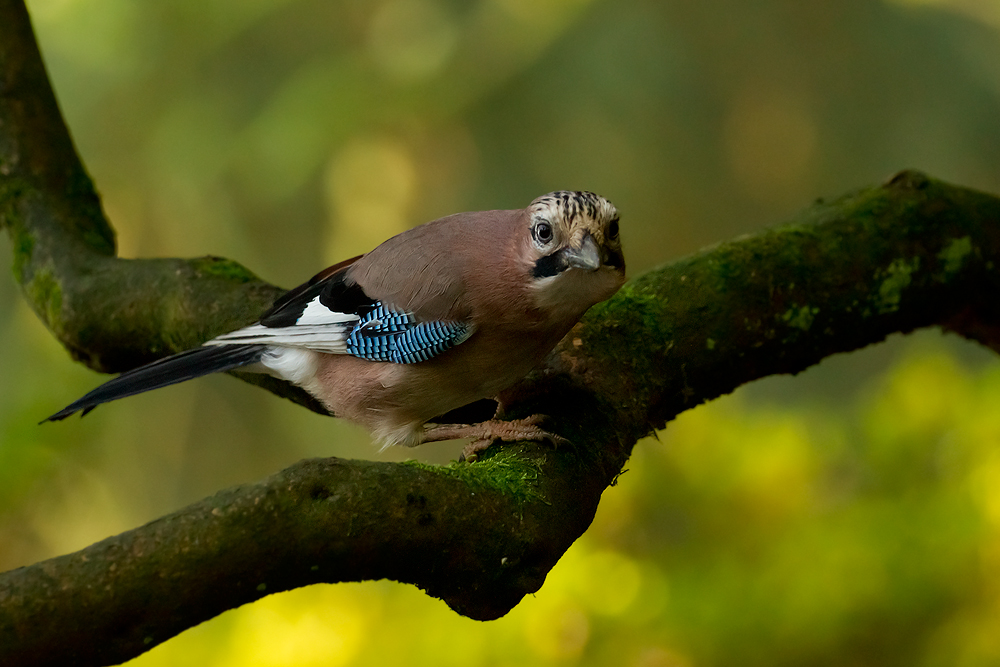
[{"x": 486, "y": 433}]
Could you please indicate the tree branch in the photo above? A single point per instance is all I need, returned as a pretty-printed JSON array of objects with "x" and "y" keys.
[
  {"x": 914, "y": 252},
  {"x": 111, "y": 314}
]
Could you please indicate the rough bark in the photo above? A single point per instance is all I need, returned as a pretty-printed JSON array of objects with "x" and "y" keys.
[{"x": 911, "y": 253}]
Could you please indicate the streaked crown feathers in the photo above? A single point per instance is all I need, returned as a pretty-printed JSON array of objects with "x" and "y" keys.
[{"x": 567, "y": 207}]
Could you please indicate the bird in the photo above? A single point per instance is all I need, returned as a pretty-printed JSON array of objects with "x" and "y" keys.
[{"x": 435, "y": 318}]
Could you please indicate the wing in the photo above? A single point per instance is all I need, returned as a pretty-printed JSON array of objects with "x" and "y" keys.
[
  {"x": 317, "y": 315},
  {"x": 430, "y": 270},
  {"x": 331, "y": 313},
  {"x": 385, "y": 334}
]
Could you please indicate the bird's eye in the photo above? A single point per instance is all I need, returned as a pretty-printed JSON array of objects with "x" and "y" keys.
[
  {"x": 613, "y": 229},
  {"x": 543, "y": 233}
]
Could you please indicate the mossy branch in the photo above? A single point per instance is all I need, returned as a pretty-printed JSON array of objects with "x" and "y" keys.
[{"x": 911, "y": 253}]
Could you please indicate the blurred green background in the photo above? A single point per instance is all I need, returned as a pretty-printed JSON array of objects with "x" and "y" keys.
[{"x": 848, "y": 516}]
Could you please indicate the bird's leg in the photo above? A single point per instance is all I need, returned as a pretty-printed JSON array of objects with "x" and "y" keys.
[{"x": 485, "y": 433}]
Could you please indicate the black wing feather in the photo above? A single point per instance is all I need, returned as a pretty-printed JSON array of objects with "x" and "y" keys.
[
  {"x": 163, "y": 372},
  {"x": 333, "y": 289}
]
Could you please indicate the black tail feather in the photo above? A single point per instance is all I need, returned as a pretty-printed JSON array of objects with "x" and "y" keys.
[{"x": 170, "y": 370}]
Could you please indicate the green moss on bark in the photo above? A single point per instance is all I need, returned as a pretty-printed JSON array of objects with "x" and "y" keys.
[
  {"x": 45, "y": 293},
  {"x": 220, "y": 267},
  {"x": 505, "y": 469},
  {"x": 24, "y": 244},
  {"x": 953, "y": 256}
]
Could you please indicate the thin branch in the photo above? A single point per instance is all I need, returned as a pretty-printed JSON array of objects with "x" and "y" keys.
[{"x": 912, "y": 253}]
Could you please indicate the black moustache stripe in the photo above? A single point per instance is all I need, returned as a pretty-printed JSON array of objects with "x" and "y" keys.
[{"x": 548, "y": 266}]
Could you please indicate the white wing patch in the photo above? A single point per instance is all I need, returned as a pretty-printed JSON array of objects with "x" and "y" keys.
[
  {"x": 318, "y": 328},
  {"x": 316, "y": 313}
]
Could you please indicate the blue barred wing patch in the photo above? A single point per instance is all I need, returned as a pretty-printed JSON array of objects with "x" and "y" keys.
[{"x": 390, "y": 335}]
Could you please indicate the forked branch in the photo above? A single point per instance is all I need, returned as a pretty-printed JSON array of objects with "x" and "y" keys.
[{"x": 911, "y": 253}]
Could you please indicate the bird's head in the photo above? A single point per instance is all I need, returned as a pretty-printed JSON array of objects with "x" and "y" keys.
[{"x": 575, "y": 250}]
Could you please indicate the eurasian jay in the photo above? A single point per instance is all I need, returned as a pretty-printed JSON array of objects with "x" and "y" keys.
[{"x": 442, "y": 315}]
